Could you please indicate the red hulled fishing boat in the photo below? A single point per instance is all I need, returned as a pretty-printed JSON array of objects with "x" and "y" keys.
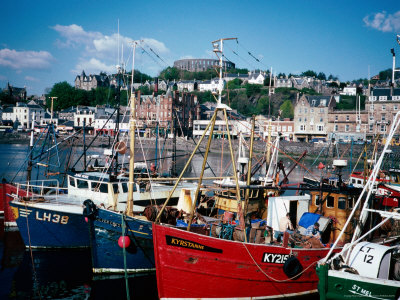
[{"x": 191, "y": 265}]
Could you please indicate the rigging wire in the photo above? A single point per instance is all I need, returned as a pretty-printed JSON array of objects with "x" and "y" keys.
[{"x": 251, "y": 54}]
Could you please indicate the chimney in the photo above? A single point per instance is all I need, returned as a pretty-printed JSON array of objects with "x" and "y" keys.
[
  {"x": 156, "y": 84},
  {"x": 394, "y": 66}
]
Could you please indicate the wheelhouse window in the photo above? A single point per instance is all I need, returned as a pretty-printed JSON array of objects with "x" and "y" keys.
[
  {"x": 124, "y": 187},
  {"x": 71, "y": 181},
  {"x": 342, "y": 203},
  {"x": 82, "y": 184},
  {"x": 350, "y": 202},
  {"x": 103, "y": 188},
  {"x": 317, "y": 200},
  {"x": 330, "y": 201}
]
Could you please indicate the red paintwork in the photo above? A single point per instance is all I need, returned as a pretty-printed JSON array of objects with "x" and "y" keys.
[
  {"x": 189, "y": 273},
  {"x": 6, "y": 188},
  {"x": 388, "y": 196},
  {"x": 360, "y": 175}
]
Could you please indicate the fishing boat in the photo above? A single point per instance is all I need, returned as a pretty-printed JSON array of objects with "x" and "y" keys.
[
  {"x": 240, "y": 259},
  {"x": 121, "y": 239},
  {"x": 53, "y": 217},
  {"x": 368, "y": 267}
]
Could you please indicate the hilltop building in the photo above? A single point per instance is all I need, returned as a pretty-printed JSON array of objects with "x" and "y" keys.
[
  {"x": 87, "y": 83},
  {"x": 201, "y": 64}
]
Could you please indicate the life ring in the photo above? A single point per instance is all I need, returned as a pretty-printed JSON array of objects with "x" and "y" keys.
[
  {"x": 292, "y": 267},
  {"x": 120, "y": 147},
  {"x": 90, "y": 209}
]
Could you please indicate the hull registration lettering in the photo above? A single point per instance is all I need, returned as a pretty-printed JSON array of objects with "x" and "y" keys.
[
  {"x": 54, "y": 218},
  {"x": 275, "y": 258}
]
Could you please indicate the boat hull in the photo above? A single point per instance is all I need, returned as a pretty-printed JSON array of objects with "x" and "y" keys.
[
  {"x": 190, "y": 265},
  {"x": 46, "y": 227},
  {"x": 108, "y": 256},
  {"x": 342, "y": 285},
  {"x": 6, "y": 190}
]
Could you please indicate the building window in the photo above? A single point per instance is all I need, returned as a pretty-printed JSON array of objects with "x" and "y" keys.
[
  {"x": 320, "y": 128},
  {"x": 336, "y": 127},
  {"x": 383, "y": 117},
  {"x": 347, "y": 118},
  {"x": 347, "y": 128},
  {"x": 383, "y": 107},
  {"x": 321, "y": 119},
  {"x": 299, "y": 119},
  {"x": 336, "y": 118},
  {"x": 383, "y": 128}
]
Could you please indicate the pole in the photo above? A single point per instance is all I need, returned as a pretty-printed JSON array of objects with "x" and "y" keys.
[
  {"x": 196, "y": 194},
  {"x": 51, "y": 110},
  {"x": 249, "y": 165},
  {"x": 186, "y": 166},
  {"x": 29, "y": 170},
  {"x": 84, "y": 145},
  {"x": 129, "y": 205}
]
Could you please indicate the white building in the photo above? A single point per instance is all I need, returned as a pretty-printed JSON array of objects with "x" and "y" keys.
[
  {"x": 209, "y": 85},
  {"x": 349, "y": 91},
  {"x": 199, "y": 126},
  {"x": 22, "y": 114},
  {"x": 257, "y": 78}
]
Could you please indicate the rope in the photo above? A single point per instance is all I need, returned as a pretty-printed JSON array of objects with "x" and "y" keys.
[
  {"x": 31, "y": 254},
  {"x": 272, "y": 278},
  {"x": 124, "y": 252}
]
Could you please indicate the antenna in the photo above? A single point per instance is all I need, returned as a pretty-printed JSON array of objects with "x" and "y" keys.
[{"x": 218, "y": 49}]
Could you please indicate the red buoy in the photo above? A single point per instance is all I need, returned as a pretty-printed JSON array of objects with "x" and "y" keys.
[
  {"x": 124, "y": 241},
  {"x": 321, "y": 166},
  {"x": 86, "y": 219}
]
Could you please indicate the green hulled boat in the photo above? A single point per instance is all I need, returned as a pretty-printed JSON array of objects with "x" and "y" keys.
[
  {"x": 365, "y": 270},
  {"x": 373, "y": 273}
]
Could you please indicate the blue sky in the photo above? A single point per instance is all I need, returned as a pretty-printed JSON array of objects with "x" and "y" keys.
[{"x": 45, "y": 42}]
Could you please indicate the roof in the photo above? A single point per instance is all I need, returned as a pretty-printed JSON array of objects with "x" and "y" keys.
[
  {"x": 316, "y": 101},
  {"x": 381, "y": 92}
]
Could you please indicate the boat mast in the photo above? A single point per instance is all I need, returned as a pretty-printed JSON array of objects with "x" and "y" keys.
[
  {"x": 129, "y": 206},
  {"x": 218, "y": 49},
  {"x": 29, "y": 169}
]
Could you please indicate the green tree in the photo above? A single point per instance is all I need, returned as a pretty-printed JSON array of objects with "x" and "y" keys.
[
  {"x": 321, "y": 76},
  {"x": 252, "y": 89},
  {"x": 65, "y": 94},
  {"x": 170, "y": 73},
  {"x": 287, "y": 109},
  {"x": 234, "y": 84},
  {"x": 263, "y": 106},
  {"x": 309, "y": 73}
]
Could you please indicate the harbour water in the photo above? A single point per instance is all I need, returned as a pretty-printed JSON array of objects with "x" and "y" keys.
[{"x": 66, "y": 274}]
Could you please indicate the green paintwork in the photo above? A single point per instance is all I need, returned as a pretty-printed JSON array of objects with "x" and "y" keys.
[{"x": 335, "y": 288}]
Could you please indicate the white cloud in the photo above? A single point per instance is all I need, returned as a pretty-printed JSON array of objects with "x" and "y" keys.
[
  {"x": 383, "y": 21},
  {"x": 93, "y": 66},
  {"x": 101, "y": 45},
  {"x": 75, "y": 35},
  {"x": 100, "y": 52},
  {"x": 30, "y": 78},
  {"x": 25, "y": 59}
]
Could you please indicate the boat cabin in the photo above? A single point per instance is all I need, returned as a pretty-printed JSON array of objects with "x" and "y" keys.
[{"x": 337, "y": 206}]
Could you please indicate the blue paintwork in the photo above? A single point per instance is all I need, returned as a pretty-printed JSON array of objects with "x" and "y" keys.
[
  {"x": 108, "y": 256},
  {"x": 52, "y": 231}
]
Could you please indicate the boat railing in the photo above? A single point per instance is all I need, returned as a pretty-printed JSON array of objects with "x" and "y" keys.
[{"x": 41, "y": 188}]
